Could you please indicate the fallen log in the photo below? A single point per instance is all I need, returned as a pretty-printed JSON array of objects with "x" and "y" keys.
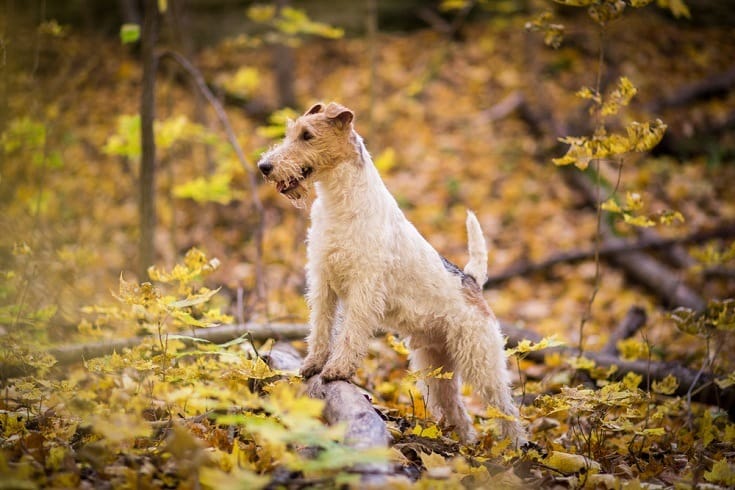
[
  {"x": 701, "y": 385},
  {"x": 344, "y": 403},
  {"x": 716, "y": 85},
  {"x": 650, "y": 241},
  {"x": 634, "y": 320},
  {"x": 642, "y": 268},
  {"x": 69, "y": 354}
]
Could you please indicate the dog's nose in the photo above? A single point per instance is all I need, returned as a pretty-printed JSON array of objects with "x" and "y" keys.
[{"x": 265, "y": 167}]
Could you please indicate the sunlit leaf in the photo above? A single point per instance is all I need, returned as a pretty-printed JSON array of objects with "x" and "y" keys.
[
  {"x": 640, "y": 221},
  {"x": 431, "y": 431},
  {"x": 567, "y": 463},
  {"x": 611, "y": 205},
  {"x": 666, "y": 386},
  {"x": 525, "y": 346},
  {"x": 632, "y": 381}
]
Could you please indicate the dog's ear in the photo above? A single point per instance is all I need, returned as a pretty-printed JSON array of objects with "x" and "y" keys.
[
  {"x": 314, "y": 109},
  {"x": 339, "y": 114}
]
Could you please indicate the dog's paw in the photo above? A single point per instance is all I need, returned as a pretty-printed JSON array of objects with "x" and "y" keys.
[
  {"x": 335, "y": 373},
  {"x": 467, "y": 434},
  {"x": 310, "y": 368}
]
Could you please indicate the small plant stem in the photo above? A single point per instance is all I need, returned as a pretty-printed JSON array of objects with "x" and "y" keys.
[
  {"x": 587, "y": 315},
  {"x": 523, "y": 381}
]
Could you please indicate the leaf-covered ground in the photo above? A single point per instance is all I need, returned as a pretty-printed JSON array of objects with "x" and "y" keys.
[{"x": 169, "y": 414}]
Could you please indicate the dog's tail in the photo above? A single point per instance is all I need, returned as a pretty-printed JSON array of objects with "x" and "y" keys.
[{"x": 477, "y": 265}]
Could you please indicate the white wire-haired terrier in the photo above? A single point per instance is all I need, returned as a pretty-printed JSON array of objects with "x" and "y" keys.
[{"x": 368, "y": 267}]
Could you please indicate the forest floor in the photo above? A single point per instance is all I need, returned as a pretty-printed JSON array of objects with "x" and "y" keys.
[{"x": 433, "y": 111}]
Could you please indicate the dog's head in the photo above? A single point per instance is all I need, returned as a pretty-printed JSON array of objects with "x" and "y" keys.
[{"x": 315, "y": 143}]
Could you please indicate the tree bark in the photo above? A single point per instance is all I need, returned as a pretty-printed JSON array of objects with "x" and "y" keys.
[{"x": 147, "y": 179}]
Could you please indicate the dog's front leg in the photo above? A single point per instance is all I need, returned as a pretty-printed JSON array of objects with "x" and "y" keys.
[
  {"x": 351, "y": 342},
  {"x": 322, "y": 306}
]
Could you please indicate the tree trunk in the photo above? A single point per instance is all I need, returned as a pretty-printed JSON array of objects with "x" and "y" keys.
[
  {"x": 147, "y": 201},
  {"x": 283, "y": 65}
]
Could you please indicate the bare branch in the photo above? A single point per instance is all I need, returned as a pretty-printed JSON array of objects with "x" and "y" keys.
[{"x": 232, "y": 138}]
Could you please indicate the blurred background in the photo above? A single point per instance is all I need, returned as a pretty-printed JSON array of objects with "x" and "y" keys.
[{"x": 461, "y": 107}]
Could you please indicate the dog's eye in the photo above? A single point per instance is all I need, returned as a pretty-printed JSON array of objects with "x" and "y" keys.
[{"x": 306, "y": 136}]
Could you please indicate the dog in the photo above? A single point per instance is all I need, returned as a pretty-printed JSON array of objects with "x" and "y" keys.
[{"x": 369, "y": 268}]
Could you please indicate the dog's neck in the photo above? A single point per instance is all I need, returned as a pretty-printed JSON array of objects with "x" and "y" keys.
[{"x": 353, "y": 184}]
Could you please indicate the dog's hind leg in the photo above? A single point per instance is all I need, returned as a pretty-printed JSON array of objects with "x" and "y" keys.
[
  {"x": 477, "y": 347},
  {"x": 442, "y": 396}
]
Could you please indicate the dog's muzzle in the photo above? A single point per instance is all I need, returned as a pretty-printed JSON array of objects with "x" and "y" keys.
[{"x": 284, "y": 187}]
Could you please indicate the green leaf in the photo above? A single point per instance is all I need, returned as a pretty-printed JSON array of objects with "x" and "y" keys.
[{"x": 129, "y": 33}]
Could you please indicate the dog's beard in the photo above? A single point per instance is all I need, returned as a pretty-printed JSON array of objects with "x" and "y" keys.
[{"x": 300, "y": 195}]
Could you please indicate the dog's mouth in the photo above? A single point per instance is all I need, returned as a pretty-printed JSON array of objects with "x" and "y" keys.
[{"x": 286, "y": 186}]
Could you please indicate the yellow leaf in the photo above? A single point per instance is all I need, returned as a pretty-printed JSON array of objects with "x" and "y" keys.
[
  {"x": 729, "y": 433},
  {"x": 677, "y": 7},
  {"x": 611, "y": 205},
  {"x": 386, "y": 160},
  {"x": 525, "y": 346},
  {"x": 431, "y": 431},
  {"x": 436, "y": 466},
  {"x": 261, "y": 13},
  {"x": 581, "y": 363},
  {"x": 494, "y": 413},
  {"x": 723, "y": 473},
  {"x": 439, "y": 373},
  {"x": 666, "y": 386},
  {"x": 632, "y": 381},
  {"x": 631, "y": 349},
  {"x": 605, "y": 480},
  {"x": 121, "y": 427},
  {"x": 570, "y": 463},
  {"x": 655, "y": 431},
  {"x": 588, "y": 93},
  {"x": 397, "y": 345},
  {"x": 669, "y": 217},
  {"x": 640, "y": 221},
  {"x": 633, "y": 201},
  {"x": 726, "y": 382},
  {"x": 706, "y": 430}
]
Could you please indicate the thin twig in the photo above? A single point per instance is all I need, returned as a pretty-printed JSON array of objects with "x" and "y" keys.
[
  {"x": 598, "y": 191},
  {"x": 247, "y": 166}
]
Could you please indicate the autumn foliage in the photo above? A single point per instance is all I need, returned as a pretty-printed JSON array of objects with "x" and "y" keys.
[{"x": 502, "y": 109}]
